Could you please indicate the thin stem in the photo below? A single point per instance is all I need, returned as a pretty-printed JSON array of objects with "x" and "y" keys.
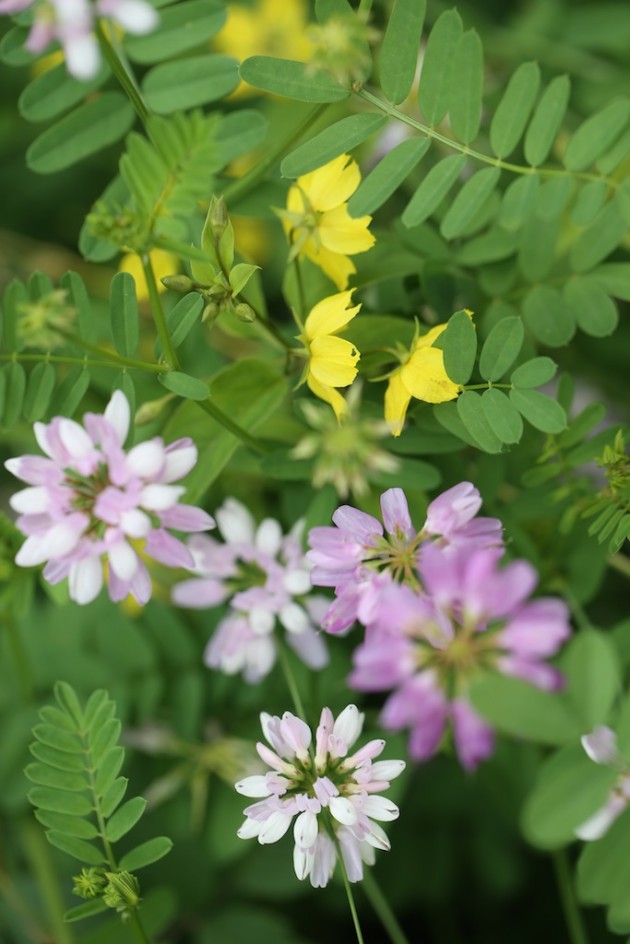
[
  {"x": 290, "y": 680},
  {"x": 209, "y": 407},
  {"x": 572, "y": 914},
  {"x": 348, "y": 887},
  {"x": 578, "y": 611},
  {"x": 381, "y": 907},
  {"x": 108, "y": 360},
  {"x": 301, "y": 297},
  {"x": 237, "y": 190},
  {"x": 364, "y": 7},
  {"x": 487, "y": 386},
  {"x": 158, "y": 312},
  {"x": 121, "y": 71},
  {"x": 20, "y": 657},
  {"x": 471, "y": 152},
  {"x": 137, "y": 927},
  {"x": 620, "y": 562}
]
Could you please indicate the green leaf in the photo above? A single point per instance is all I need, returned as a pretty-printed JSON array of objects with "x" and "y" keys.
[
  {"x": 47, "y": 776},
  {"x": 465, "y": 87},
  {"x": 108, "y": 769},
  {"x": 14, "y": 398},
  {"x": 592, "y": 670},
  {"x": 183, "y": 317},
  {"x": 240, "y": 276},
  {"x": 68, "y": 825},
  {"x": 78, "y": 296},
  {"x": 615, "y": 156},
  {"x": 518, "y": 708},
  {"x": 191, "y": 388},
  {"x": 94, "y": 706},
  {"x": 56, "y": 758},
  {"x": 399, "y": 52},
  {"x": 187, "y": 83},
  {"x": 589, "y": 201},
  {"x": 41, "y": 383},
  {"x": 387, "y": 176},
  {"x": 411, "y": 473},
  {"x": 60, "y": 740},
  {"x": 501, "y": 348},
  {"x": 537, "y": 251},
  {"x": 603, "y": 872},
  {"x": 123, "y": 314},
  {"x": 239, "y": 132},
  {"x": 434, "y": 89},
  {"x": 13, "y": 49},
  {"x": 547, "y": 316},
  {"x": 534, "y": 373},
  {"x": 101, "y": 739},
  {"x": 599, "y": 239},
  {"x": 448, "y": 416},
  {"x": 87, "y": 130},
  {"x": 503, "y": 418},
  {"x": 78, "y": 848},
  {"x": 182, "y": 27},
  {"x": 594, "y": 310},
  {"x": 58, "y": 801},
  {"x": 473, "y": 417},
  {"x": 459, "y": 346},
  {"x": 615, "y": 279},
  {"x": 113, "y": 795},
  {"x": 553, "y": 196},
  {"x": 596, "y": 134},
  {"x": 570, "y": 788},
  {"x": 125, "y": 818},
  {"x": 546, "y": 121},
  {"x": 540, "y": 410},
  {"x": 433, "y": 189},
  {"x": 291, "y": 79},
  {"x": 70, "y": 392},
  {"x": 55, "y": 91},
  {"x": 15, "y": 296},
  {"x": 249, "y": 391},
  {"x": 518, "y": 200},
  {"x": 469, "y": 202},
  {"x": 513, "y": 111},
  {"x": 330, "y": 143},
  {"x": 86, "y": 910},
  {"x": 146, "y": 854},
  {"x": 69, "y": 703}
]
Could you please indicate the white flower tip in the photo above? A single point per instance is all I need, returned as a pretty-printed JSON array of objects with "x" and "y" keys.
[{"x": 601, "y": 745}]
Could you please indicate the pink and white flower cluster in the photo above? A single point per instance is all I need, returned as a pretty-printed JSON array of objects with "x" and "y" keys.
[
  {"x": 72, "y": 22},
  {"x": 601, "y": 747},
  {"x": 329, "y": 793},
  {"x": 89, "y": 501},
  {"x": 438, "y": 608},
  {"x": 265, "y": 577}
]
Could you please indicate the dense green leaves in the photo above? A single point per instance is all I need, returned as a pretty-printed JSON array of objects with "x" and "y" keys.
[
  {"x": 433, "y": 189},
  {"x": 469, "y": 202},
  {"x": 501, "y": 348},
  {"x": 540, "y": 410},
  {"x": 387, "y": 176},
  {"x": 54, "y": 92},
  {"x": 123, "y": 314},
  {"x": 293, "y": 79},
  {"x": 330, "y": 143},
  {"x": 594, "y": 310},
  {"x": 434, "y": 91},
  {"x": 513, "y": 111},
  {"x": 546, "y": 120},
  {"x": 466, "y": 87},
  {"x": 503, "y": 418},
  {"x": 595, "y": 134},
  {"x": 474, "y": 419},
  {"x": 548, "y": 317},
  {"x": 399, "y": 52},
  {"x": 182, "y": 27},
  {"x": 187, "y": 83}
]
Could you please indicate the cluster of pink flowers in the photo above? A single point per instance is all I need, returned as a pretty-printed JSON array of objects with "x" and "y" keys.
[
  {"x": 89, "y": 501},
  {"x": 264, "y": 575},
  {"x": 438, "y": 608},
  {"x": 71, "y": 23},
  {"x": 331, "y": 795}
]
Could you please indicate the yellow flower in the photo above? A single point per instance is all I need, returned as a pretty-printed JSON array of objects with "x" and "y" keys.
[
  {"x": 331, "y": 360},
  {"x": 265, "y": 28},
  {"x": 164, "y": 263},
  {"x": 317, "y": 221},
  {"x": 422, "y": 376}
]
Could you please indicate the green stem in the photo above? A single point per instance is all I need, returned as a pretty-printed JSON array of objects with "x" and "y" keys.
[
  {"x": 620, "y": 562},
  {"x": 158, "y": 312},
  {"x": 300, "y": 314},
  {"x": 137, "y": 927},
  {"x": 21, "y": 659},
  {"x": 38, "y": 853},
  {"x": 108, "y": 359},
  {"x": 121, "y": 71},
  {"x": 382, "y": 908},
  {"x": 487, "y": 386},
  {"x": 471, "y": 152},
  {"x": 285, "y": 665},
  {"x": 348, "y": 887},
  {"x": 237, "y": 190},
  {"x": 572, "y": 914},
  {"x": 364, "y": 7},
  {"x": 209, "y": 407}
]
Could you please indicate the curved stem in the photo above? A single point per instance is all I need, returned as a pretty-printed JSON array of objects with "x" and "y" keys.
[
  {"x": 572, "y": 914},
  {"x": 283, "y": 658},
  {"x": 471, "y": 152},
  {"x": 121, "y": 70},
  {"x": 382, "y": 908},
  {"x": 237, "y": 190}
]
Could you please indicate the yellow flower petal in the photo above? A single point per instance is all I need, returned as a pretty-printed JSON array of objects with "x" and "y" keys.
[
  {"x": 340, "y": 233},
  {"x": 329, "y": 395},
  {"x": 338, "y": 268},
  {"x": 330, "y": 315},
  {"x": 397, "y": 399},
  {"x": 426, "y": 379},
  {"x": 164, "y": 263},
  {"x": 333, "y": 184},
  {"x": 333, "y": 361},
  {"x": 428, "y": 339}
]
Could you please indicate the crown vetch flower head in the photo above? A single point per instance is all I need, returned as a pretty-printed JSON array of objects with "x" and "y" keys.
[
  {"x": 88, "y": 500},
  {"x": 329, "y": 793},
  {"x": 317, "y": 221}
]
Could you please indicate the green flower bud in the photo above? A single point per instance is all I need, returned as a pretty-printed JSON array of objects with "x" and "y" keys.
[
  {"x": 90, "y": 883},
  {"x": 122, "y": 891},
  {"x": 179, "y": 283},
  {"x": 151, "y": 410},
  {"x": 219, "y": 218},
  {"x": 210, "y": 312},
  {"x": 245, "y": 312}
]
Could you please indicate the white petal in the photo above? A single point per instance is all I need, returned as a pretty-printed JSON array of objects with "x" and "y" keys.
[
  {"x": 261, "y": 620},
  {"x": 86, "y": 580},
  {"x": 146, "y": 459},
  {"x": 179, "y": 462},
  {"x": 600, "y": 822},
  {"x": 255, "y": 786},
  {"x": 297, "y": 582},
  {"x": 31, "y": 501},
  {"x": 58, "y": 541},
  {"x": 42, "y": 440},
  {"x": 387, "y": 769},
  {"x": 135, "y": 16},
  {"x": 294, "y": 618},
  {"x": 118, "y": 414},
  {"x": 601, "y": 745},
  {"x": 302, "y": 862},
  {"x": 269, "y": 536},
  {"x": 377, "y": 838},
  {"x": 82, "y": 56},
  {"x": 123, "y": 560},
  {"x": 75, "y": 439},
  {"x": 274, "y": 827},
  {"x": 343, "y": 810},
  {"x": 135, "y": 523},
  {"x": 160, "y": 497},
  {"x": 235, "y": 522},
  {"x": 249, "y": 829},
  {"x": 305, "y": 829},
  {"x": 379, "y": 807},
  {"x": 349, "y": 725}
]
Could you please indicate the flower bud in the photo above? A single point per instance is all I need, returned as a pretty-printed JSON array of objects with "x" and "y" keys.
[
  {"x": 151, "y": 410},
  {"x": 178, "y": 283},
  {"x": 122, "y": 891},
  {"x": 210, "y": 312},
  {"x": 245, "y": 312},
  {"x": 89, "y": 884},
  {"x": 219, "y": 218}
]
